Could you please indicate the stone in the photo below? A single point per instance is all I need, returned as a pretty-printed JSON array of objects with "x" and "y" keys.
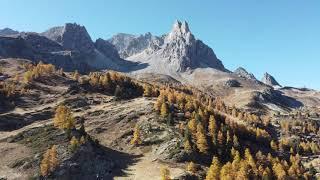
[{"x": 269, "y": 80}]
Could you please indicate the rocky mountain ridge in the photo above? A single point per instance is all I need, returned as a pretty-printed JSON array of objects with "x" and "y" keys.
[
  {"x": 71, "y": 37},
  {"x": 69, "y": 47},
  {"x": 179, "y": 50},
  {"x": 128, "y": 45},
  {"x": 7, "y": 32},
  {"x": 176, "y": 55}
]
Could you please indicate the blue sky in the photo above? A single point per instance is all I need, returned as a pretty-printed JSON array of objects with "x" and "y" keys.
[{"x": 280, "y": 37}]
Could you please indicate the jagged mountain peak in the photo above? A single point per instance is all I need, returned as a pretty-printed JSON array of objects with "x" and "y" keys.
[
  {"x": 269, "y": 80},
  {"x": 185, "y": 52},
  {"x": 71, "y": 36},
  {"x": 242, "y": 72},
  {"x": 181, "y": 26},
  {"x": 180, "y": 30},
  {"x": 128, "y": 44},
  {"x": 176, "y": 51}
]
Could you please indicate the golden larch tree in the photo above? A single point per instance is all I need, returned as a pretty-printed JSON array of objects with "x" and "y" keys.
[
  {"x": 74, "y": 144},
  {"x": 192, "y": 125},
  {"x": 45, "y": 164},
  {"x": 136, "y": 140},
  {"x": 214, "y": 170},
  {"x": 63, "y": 118},
  {"x": 49, "y": 161},
  {"x": 164, "y": 112},
  {"x": 202, "y": 143},
  {"x": 212, "y": 126},
  {"x": 226, "y": 172}
]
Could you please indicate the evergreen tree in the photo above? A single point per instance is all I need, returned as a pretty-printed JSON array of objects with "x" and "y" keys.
[
  {"x": 136, "y": 140},
  {"x": 192, "y": 125},
  {"x": 236, "y": 161},
  {"x": 63, "y": 118},
  {"x": 212, "y": 126},
  {"x": 226, "y": 172},
  {"x": 236, "y": 143},
  {"x": 53, "y": 158},
  {"x": 187, "y": 143},
  {"x": 279, "y": 171},
  {"x": 164, "y": 112},
  {"x": 49, "y": 161},
  {"x": 202, "y": 143},
  {"x": 221, "y": 138},
  {"x": 45, "y": 164},
  {"x": 266, "y": 174},
  {"x": 147, "y": 91},
  {"x": 243, "y": 172},
  {"x": 74, "y": 144},
  {"x": 214, "y": 170}
]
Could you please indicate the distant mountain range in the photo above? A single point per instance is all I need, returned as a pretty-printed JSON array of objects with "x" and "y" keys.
[
  {"x": 71, "y": 47},
  {"x": 177, "y": 55}
]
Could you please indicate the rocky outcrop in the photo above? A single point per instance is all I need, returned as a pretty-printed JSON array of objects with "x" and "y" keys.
[
  {"x": 269, "y": 80},
  {"x": 106, "y": 48},
  {"x": 232, "y": 83},
  {"x": 41, "y": 43},
  {"x": 72, "y": 37},
  {"x": 69, "y": 47},
  {"x": 184, "y": 51},
  {"x": 36, "y": 48},
  {"x": 15, "y": 48},
  {"x": 128, "y": 45},
  {"x": 8, "y": 32},
  {"x": 241, "y": 72}
]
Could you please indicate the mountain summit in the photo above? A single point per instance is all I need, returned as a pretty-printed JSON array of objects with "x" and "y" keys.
[
  {"x": 71, "y": 36},
  {"x": 186, "y": 51},
  {"x": 241, "y": 72},
  {"x": 269, "y": 80},
  {"x": 177, "y": 51}
]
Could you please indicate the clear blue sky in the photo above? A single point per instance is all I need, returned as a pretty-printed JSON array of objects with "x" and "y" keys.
[{"x": 281, "y": 37}]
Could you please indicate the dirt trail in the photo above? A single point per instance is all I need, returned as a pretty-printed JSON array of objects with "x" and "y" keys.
[{"x": 148, "y": 168}]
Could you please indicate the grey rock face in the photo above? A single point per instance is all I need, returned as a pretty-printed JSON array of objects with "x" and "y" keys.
[
  {"x": 232, "y": 83},
  {"x": 178, "y": 50},
  {"x": 41, "y": 43},
  {"x": 187, "y": 52},
  {"x": 69, "y": 47},
  {"x": 184, "y": 51},
  {"x": 35, "y": 47},
  {"x": 71, "y": 37},
  {"x": 15, "y": 48},
  {"x": 269, "y": 80},
  {"x": 106, "y": 48},
  {"x": 8, "y": 32},
  {"x": 241, "y": 72},
  {"x": 128, "y": 45}
]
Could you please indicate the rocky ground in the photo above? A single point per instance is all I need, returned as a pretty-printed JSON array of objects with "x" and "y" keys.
[{"x": 26, "y": 131}]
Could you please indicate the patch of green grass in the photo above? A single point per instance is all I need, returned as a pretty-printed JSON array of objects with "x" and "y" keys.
[{"x": 40, "y": 139}]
